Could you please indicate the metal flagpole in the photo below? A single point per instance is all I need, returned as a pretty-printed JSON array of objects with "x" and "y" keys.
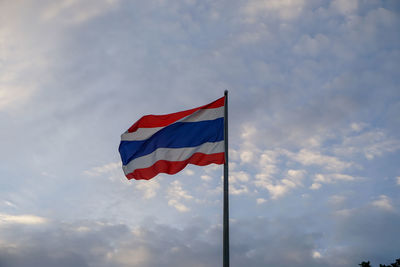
[{"x": 226, "y": 188}]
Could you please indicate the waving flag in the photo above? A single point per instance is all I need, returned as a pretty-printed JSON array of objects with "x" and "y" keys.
[{"x": 167, "y": 143}]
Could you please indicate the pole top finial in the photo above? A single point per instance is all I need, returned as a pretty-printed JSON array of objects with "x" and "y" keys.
[{"x": 226, "y": 92}]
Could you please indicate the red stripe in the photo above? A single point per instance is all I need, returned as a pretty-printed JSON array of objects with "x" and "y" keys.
[
  {"x": 172, "y": 167},
  {"x": 149, "y": 121}
]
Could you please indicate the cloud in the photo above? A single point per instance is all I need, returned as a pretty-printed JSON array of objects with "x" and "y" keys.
[
  {"x": 358, "y": 127},
  {"x": 149, "y": 243},
  {"x": 384, "y": 203},
  {"x": 312, "y": 46},
  {"x": 100, "y": 170},
  {"x": 103, "y": 244},
  {"x": 176, "y": 194},
  {"x": 137, "y": 256},
  {"x": 188, "y": 172},
  {"x": 309, "y": 157},
  {"x": 315, "y": 186},
  {"x": 343, "y": 6},
  {"x": 76, "y": 12},
  {"x": 59, "y": 244},
  {"x": 238, "y": 190},
  {"x": 370, "y": 143},
  {"x": 112, "y": 170},
  {"x": 19, "y": 76},
  {"x": 237, "y": 177},
  {"x": 372, "y": 229},
  {"x": 21, "y": 219},
  {"x": 398, "y": 180},
  {"x": 285, "y": 9},
  {"x": 206, "y": 178},
  {"x": 153, "y": 244},
  {"x": 260, "y": 201},
  {"x": 278, "y": 188},
  {"x": 330, "y": 178},
  {"x": 337, "y": 199},
  {"x": 8, "y": 204},
  {"x": 148, "y": 188},
  {"x": 316, "y": 255}
]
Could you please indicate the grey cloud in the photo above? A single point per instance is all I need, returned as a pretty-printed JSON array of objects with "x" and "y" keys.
[
  {"x": 284, "y": 241},
  {"x": 89, "y": 244},
  {"x": 365, "y": 229}
]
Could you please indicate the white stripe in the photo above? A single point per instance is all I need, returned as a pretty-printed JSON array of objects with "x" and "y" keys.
[
  {"x": 172, "y": 154},
  {"x": 200, "y": 115},
  {"x": 140, "y": 134}
]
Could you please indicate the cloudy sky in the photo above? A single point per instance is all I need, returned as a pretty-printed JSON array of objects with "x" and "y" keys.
[{"x": 314, "y": 131}]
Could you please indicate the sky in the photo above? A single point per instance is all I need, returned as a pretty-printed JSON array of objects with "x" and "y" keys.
[{"x": 314, "y": 131}]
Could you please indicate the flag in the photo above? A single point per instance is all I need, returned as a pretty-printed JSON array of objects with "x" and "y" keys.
[{"x": 167, "y": 143}]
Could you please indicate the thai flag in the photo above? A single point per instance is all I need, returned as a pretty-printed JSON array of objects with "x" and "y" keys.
[{"x": 167, "y": 143}]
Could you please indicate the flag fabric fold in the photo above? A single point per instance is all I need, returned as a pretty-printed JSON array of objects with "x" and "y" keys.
[{"x": 167, "y": 143}]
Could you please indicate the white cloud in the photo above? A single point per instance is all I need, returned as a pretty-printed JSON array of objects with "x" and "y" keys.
[
  {"x": 371, "y": 144},
  {"x": 248, "y": 132},
  {"x": 236, "y": 177},
  {"x": 308, "y": 157},
  {"x": 337, "y": 199},
  {"x": 176, "y": 190},
  {"x": 188, "y": 172},
  {"x": 234, "y": 155},
  {"x": 21, "y": 219},
  {"x": 130, "y": 257},
  {"x": 344, "y": 212},
  {"x": 148, "y": 188},
  {"x": 398, "y": 180},
  {"x": 106, "y": 168},
  {"x": 315, "y": 186},
  {"x": 176, "y": 194},
  {"x": 246, "y": 156},
  {"x": 332, "y": 177},
  {"x": 11, "y": 95},
  {"x": 206, "y": 178},
  {"x": 76, "y": 12},
  {"x": 311, "y": 46},
  {"x": 237, "y": 183},
  {"x": 278, "y": 188},
  {"x": 268, "y": 157},
  {"x": 384, "y": 202},
  {"x": 248, "y": 150},
  {"x": 24, "y": 58},
  {"x": 344, "y": 6},
  {"x": 316, "y": 254},
  {"x": 112, "y": 170},
  {"x": 178, "y": 205},
  {"x": 15, "y": 89},
  {"x": 267, "y": 166},
  {"x": 358, "y": 127},
  {"x": 9, "y": 204},
  {"x": 260, "y": 201},
  {"x": 238, "y": 190},
  {"x": 285, "y": 9},
  {"x": 296, "y": 175},
  {"x": 268, "y": 169},
  {"x": 329, "y": 178}
]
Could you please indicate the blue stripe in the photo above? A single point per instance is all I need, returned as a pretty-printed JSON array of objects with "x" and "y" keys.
[{"x": 177, "y": 135}]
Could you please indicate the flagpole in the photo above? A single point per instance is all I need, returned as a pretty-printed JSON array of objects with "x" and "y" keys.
[{"x": 226, "y": 189}]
